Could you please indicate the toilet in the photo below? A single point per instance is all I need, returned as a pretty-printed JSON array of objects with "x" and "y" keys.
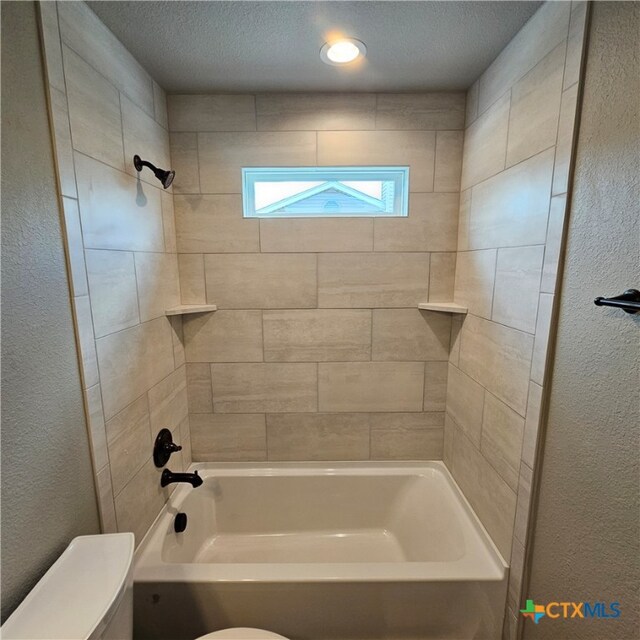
[{"x": 87, "y": 594}]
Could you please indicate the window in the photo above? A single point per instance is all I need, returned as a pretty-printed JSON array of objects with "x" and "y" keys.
[{"x": 325, "y": 192}]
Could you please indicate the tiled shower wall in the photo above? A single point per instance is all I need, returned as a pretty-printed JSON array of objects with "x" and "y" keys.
[
  {"x": 318, "y": 350},
  {"x": 121, "y": 249},
  {"x": 518, "y": 140}
]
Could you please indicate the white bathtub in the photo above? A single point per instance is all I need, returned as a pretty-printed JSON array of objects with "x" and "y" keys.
[{"x": 318, "y": 551}]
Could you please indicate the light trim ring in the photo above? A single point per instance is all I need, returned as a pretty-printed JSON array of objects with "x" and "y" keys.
[{"x": 344, "y": 51}]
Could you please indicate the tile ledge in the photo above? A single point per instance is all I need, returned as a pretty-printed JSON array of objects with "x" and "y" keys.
[
  {"x": 190, "y": 308},
  {"x": 446, "y": 307}
]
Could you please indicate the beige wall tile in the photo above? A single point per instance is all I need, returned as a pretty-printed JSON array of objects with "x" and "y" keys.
[
  {"x": 86, "y": 34},
  {"x": 465, "y": 400},
  {"x": 75, "y": 249},
  {"x": 214, "y": 224},
  {"x": 191, "y": 275},
  {"x": 222, "y": 155},
  {"x": 414, "y": 111},
  {"x": 112, "y": 283},
  {"x": 575, "y": 42},
  {"x": 463, "y": 220},
  {"x": 413, "y": 148},
  {"x": 490, "y": 496},
  {"x": 515, "y": 298},
  {"x": 211, "y": 112},
  {"x": 264, "y": 387},
  {"x": 502, "y": 430},
  {"x": 541, "y": 34},
  {"x": 185, "y": 439},
  {"x": 317, "y": 436},
  {"x": 138, "y": 504},
  {"x": 372, "y": 279},
  {"x": 129, "y": 441},
  {"x": 432, "y": 225},
  {"x": 158, "y": 285},
  {"x": 475, "y": 276},
  {"x": 145, "y": 137},
  {"x": 485, "y": 144},
  {"x": 228, "y": 438},
  {"x": 317, "y": 112},
  {"x": 117, "y": 211},
  {"x": 565, "y": 140},
  {"x": 106, "y": 506},
  {"x": 407, "y": 436},
  {"x": 553, "y": 245},
  {"x": 447, "y": 455},
  {"x": 516, "y": 567},
  {"x": 160, "y": 105},
  {"x": 317, "y": 335},
  {"x": 223, "y": 336},
  {"x": 177, "y": 339},
  {"x": 531, "y": 425},
  {"x": 184, "y": 160},
  {"x": 168, "y": 402},
  {"x": 199, "y": 387},
  {"x": 261, "y": 281},
  {"x": 63, "y": 150},
  {"x": 456, "y": 328},
  {"x": 524, "y": 500},
  {"x": 535, "y": 108},
  {"x": 51, "y": 44},
  {"x": 370, "y": 386},
  {"x": 543, "y": 329},
  {"x": 94, "y": 110},
  {"x": 442, "y": 271},
  {"x": 410, "y": 334},
  {"x": 511, "y": 209},
  {"x": 435, "y": 386},
  {"x": 498, "y": 358},
  {"x": 448, "y": 161},
  {"x": 132, "y": 361},
  {"x": 168, "y": 222},
  {"x": 472, "y": 103},
  {"x": 316, "y": 234},
  {"x": 86, "y": 340},
  {"x": 95, "y": 419}
]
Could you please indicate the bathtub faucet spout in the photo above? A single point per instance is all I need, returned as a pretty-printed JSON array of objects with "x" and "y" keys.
[{"x": 168, "y": 477}]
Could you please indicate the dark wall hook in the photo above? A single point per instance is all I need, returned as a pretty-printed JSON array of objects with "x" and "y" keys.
[{"x": 629, "y": 301}]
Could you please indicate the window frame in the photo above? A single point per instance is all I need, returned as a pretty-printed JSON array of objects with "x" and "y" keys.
[{"x": 399, "y": 174}]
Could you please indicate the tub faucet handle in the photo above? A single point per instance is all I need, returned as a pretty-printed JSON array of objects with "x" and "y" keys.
[{"x": 163, "y": 447}]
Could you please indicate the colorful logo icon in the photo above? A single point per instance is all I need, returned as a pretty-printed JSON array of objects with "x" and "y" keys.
[{"x": 533, "y": 611}]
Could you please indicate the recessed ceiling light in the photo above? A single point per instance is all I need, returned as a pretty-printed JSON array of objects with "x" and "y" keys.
[{"x": 343, "y": 51}]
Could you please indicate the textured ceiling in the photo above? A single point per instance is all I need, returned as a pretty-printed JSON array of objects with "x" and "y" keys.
[{"x": 274, "y": 46}]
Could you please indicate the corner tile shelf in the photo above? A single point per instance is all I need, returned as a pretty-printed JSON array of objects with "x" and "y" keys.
[
  {"x": 190, "y": 308},
  {"x": 446, "y": 307}
]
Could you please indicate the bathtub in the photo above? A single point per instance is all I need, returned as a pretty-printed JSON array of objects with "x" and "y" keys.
[{"x": 321, "y": 551}]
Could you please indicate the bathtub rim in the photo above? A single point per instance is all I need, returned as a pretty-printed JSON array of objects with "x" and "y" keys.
[{"x": 149, "y": 566}]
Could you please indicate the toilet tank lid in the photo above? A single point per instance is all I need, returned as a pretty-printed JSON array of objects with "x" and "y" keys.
[{"x": 80, "y": 590}]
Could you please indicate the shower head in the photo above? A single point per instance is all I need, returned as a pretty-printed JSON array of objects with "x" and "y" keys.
[{"x": 165, "y": 177}]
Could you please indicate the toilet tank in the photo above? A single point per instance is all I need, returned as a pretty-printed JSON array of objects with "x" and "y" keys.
[{"x": 86, "y": 595}]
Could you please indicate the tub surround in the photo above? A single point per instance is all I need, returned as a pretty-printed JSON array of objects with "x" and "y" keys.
[
  {"x": 121, "y": 247},
  {"x": 515, "y": 177},
  {"x": 318, "y": 350}
]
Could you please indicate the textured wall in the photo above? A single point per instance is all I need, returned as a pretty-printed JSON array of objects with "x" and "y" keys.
[
  {"x": 587, "y": 534},
  {"x": 518, "y": 138},
  {"x": 121, "y": 240},
  {"x": 48, "y": 494},
  {"x": 318, "y": 350}
]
